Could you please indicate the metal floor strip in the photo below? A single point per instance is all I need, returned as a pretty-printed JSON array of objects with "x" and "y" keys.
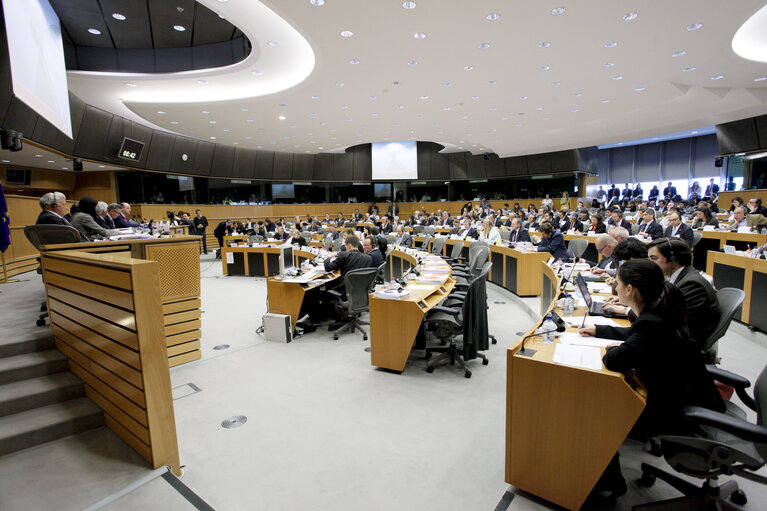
[
  {"x": 504, "y": 503},
  {"x": 187, "y": 492}
]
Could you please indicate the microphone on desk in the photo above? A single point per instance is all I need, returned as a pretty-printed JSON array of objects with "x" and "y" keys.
[{"x": 530, "y": 353}]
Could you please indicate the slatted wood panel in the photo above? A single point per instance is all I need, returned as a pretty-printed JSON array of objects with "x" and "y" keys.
[
  {"x": 182, "y": 330},
  {"x": 107, "y": 318}
]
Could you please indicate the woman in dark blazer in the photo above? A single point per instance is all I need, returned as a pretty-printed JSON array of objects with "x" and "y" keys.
[
  {"x": 704, "y": 217},
  {"x": 597, "y": 225}
]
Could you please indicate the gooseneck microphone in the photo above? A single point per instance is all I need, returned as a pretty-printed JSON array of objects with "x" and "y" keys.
[{"x": 560, "y": 328}]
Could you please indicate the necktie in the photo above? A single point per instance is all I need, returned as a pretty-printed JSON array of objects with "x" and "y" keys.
[{"x": 515, "y": 235}]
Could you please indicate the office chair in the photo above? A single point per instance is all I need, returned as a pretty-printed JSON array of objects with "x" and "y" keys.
[
  {"x": 578, "y": 246},
  {"x": 635, "y": 229},
  {"x": 417, "y": 229},
  {"x": 455, "y": 230},
  {"x": 337, "y": 244},
  {"x": 256, "y": 238},
  {"x": 696, "y": 237},
  {"x": 730, "y": 300},
  {"x": 430, "y": 230},
  {"x": 307, "y": 235},
  {"x": 327, "y": 243},
  {"x": 475, "y": 267},
  {"x": 390, "y": 239},
  {"x": 357, "y": 284},
  {"x": 380, "y": 277},
  {"x": 729, "y": 445},
  {"x": 505, "y": 235},
  {"x": 463, "y": 263},
  {"x": 47, "y": 234},
  {"x": 437, "y": 245},
  {"x": 455, "y": 253},
  {"x": 465, "y": 318},
  {"x": 425, "y": 244}
]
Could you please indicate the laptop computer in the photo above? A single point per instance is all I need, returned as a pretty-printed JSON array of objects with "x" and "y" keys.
[{"x": 595, "y": 308}]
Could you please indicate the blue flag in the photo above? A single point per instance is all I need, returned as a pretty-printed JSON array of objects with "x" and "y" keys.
[{"x": 5, "y": 223}]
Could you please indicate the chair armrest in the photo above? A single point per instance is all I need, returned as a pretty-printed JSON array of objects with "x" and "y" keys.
[
  {"x": 461, "y": 285},
  {"x": 734, "y": 380},
  {"x": 446, "y": 310},
  {"x": 335, "y": 293},
  {"x": 458, "y": 295},
  {"x": 740, "y": 428}
]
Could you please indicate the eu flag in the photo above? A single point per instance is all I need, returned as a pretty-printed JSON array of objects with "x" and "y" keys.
[{"x": 5, "y": 223}]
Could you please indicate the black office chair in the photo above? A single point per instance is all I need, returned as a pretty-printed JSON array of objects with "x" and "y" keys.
[
  {"x": 417, "y": 229},
  {"x": 464, "y": 276},
  {"x": 337, "y": 244},
  {"x": 437, "y": 245},
  {"x": 730, "y": 300},
  {"x": 455, "y": 230},
  {"x": 466, "y": 317},
  {"x": 729, "y": 445},
  {"x": 255, "y": 238},
  {"x": 327, "y": 243},
  {"x": 49, "y": 234},
  {"x": 425, "y": 244},
  {"x": 357, "y": 284},
  {"x": 463, "y": 263},
  {"x": 430, "y": 230},
  {"x": 380, "y": 275},
  {"x": 455, "y": 253}
]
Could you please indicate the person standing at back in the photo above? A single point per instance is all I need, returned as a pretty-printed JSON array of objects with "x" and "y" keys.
[{"x": 200, "y": 224}]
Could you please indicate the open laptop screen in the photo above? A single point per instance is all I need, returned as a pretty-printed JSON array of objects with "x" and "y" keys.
[{"x": 584, "y": 288}]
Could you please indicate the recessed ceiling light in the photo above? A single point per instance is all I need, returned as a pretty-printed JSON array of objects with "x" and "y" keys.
[
  {"x": 523, "y": 98},
  {"x": 419, "y": 35},
  {"x": 630, "y": 16},
  {"x": 243, "y": 109},
  {"x": 345, "y": 107},
  {"x": 204, "y": 112},
  {"x": 447, "y": 84},
  {"x": 539, "y": 108},
  {"x": 202, "y": 82},
  {"x": 317, "y": 3},
  {"x": 619, "y": 77},
  {"x": 340, "y": 84},
  {"x": 605, "y": 101},
  {"x": 395, "y": 83},
  {"x": 464, "y": 117},
  {"x": 130, "y": 84},
  {"x": 475, "y": 97},
  {"x": 640, "y": 89},
  {"x": 257, "y": 72},
  {"x": 557, "y": 11},
  {"x": 544, "y": 44},
  {"x": 118, "y": 16},
  {"x": 223, "y": 1},
  {"x": 400, "y": 107},
  {"x": 609, "y": 64},
  {"x": 315, "y": 97},
  {"x": 446, "y": 108},
  {"x": 491, "y": 82},
  {"x": 412, "y": 63},
  {"x": 273, "y": 44},
  {"x": 468, "y": 68},
  {"x": 213, "y": 138},
  {"x": 484, "y": 46},
  {"x": 545, "y": 68},
  {"x": 760, "y": 79},
  {"x": 354, "y": 62},
  {"x": 556, "y": 83},
  {"x": 179, "y": 28},
  {"x": 235, "y": 143},
  {"x": 408, "y": 5},
  {"x": 161, "y": 112},
  {"x": 679, "y": 53},
  {"x": 211, "y": 122},
  {"x": 227, "y": 131},
  {"x": 51, "y": 161},
  {"x": 373, "y": 97},
  {"x": 688, "y": 69},
  {"x": 174, "y": 122},
  {"x": 717, "y": 77},
  {"x": 38, "y": 156},
  {"x": 424, "y": 97},
  {"x": 694, "y": 26},
  {"x": 577, "y": 94},
  {"x": 493, "y": 16},
  {"x": 346, "y": 33},
  {"x": 611, "y": 44},
  {"x": 249, "y": 120},
  {"x": 694, "y": 132},
  {"x": 94, "y": 31},
  {"x": 504, "y": 118}
]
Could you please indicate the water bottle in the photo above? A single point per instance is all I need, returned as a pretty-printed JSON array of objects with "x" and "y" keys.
[
  {"x": 549, "y": 327},
  {"x": 569, "y": 305}
]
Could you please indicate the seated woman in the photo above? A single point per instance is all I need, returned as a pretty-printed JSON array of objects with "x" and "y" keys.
[
  {"x": 85, "y": 220},
  {"x": 704, "y": 217},
  {"x": 597, "y": 225},
  {"x": 489, "y": 232},
  {"x": 295, "y": 238},
  {"x": 658, "y": 350}
]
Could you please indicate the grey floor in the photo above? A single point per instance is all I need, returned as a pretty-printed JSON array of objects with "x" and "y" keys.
[{"x": 324, "y": 430}]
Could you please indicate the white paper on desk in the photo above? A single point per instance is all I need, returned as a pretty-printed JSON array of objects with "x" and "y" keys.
[
  {"x": 576, "y": 321},
  {"x": 420, "y": 287},
  {"x": 745, "y": 230},
  {"x": 230, "y": 258},
  {"x": 391, "y": 294},
  {"x": 709, "y": 228},
  {"x": 574, "y": 338},
  {"x": 598, "y": 287},
  {"x": 586, "y": 357}
]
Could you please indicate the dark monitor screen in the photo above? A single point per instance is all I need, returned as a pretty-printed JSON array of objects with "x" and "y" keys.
[
  {"x": 286, "y": 259},
  {"x": 17, "y": 177},
  {"x": 131, "y": 149}
]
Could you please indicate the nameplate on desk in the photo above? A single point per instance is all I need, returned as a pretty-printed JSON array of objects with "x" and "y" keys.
[
  {"x": 744, "y": 230},
  {"x": 229, "y": 258},
  {"x": 729, "y": 249},
  {"x": 709, "y": 228}
]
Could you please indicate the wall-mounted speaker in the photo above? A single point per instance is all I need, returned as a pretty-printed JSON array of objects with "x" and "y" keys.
[
  {"x": 77, "y": 165},
  {"x": 718, "y": 161}
]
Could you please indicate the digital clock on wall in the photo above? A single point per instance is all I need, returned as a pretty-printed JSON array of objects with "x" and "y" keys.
[{"x": 131, "y": 149}]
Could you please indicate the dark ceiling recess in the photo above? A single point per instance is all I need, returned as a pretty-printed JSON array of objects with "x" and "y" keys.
[{"x": 145, "y": 41}]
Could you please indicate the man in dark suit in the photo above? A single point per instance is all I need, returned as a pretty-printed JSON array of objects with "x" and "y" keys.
[
  {"x": 467, "y": 231},
  {"x": 571, "y": 222},
  {"x": 446, "y": 221},
  {"x": 114, "y": 211},
  {"x": 54, "y": 207},
  {"x": 613, "y": 196},
  {"x": 626, "y": 193},
  {"x": 617, "y": 220},
  {"x": 386, "y": 226},
  {"x": 403, "y": 238},
  {"x": 670, "y": 191},
  {"x": 200, "y": 224},
  {"x": 518, "y": 234},
  {"x": 549, "y": 217},
  {"x": 677, "y": 229},
  {"x": 649, "y": 227},
  {"x": 755, "y": 207},
  {"x": 370, "y": 247},
  {"x": 700, "y": 299},
  {"x": 349, "y": 259},
  {"x": 222, "y": 229},
  {"x": 357, "y": 216},
  {"x": 553, "y": 242},
  {"x": 605, "y": 245},
  {"x": 393, "y": 209},
  {"x": 712, "y": 190}
]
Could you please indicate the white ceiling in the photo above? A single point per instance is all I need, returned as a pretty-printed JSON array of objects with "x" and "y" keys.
[{"x": 501, "y": 99}]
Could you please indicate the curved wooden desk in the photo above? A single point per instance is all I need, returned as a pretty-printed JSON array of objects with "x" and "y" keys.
[
  {"x": 563, "y": 424},
  {"x": 747, "y": 274},
  {"x": 258, "y": 261}
]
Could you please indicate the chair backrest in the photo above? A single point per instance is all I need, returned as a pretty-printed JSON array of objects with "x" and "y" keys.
[
  {"x": 760, "y": 397},
  {"x": 426, "y": 240},
  {"x": 306, "y": 235},
  {"x": 357, "y": 284},
  {"x": 475, "y": 247},
  {"x": 505, "y": 235},
  {"x": 256, "y": 238},
  {"x": 578, "y": 246},
  {"x": 380, "y": 277},
  {"x": 430, "y": 230},
  {"x": 49, "y": 234},
  {"x": 474, "y": 314},
  {"x": 417, "y": 229},
  {"x": 480, "y": 258},
  {"x": 457, "y": 250},
  {"x": 696, "y": 237},
  {"x": 635, "y": 229},
  {"x": 729, "y": 299},
  {"x": 337, "y": 244},
  {"x": 390, "y": 239},
  {"x": 455, "y": 230},
  {"x": 437, "y": 245},
  {"x": 327, "y": 243}
]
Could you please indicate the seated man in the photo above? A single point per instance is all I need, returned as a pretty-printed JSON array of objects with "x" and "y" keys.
[
  {"x": 370, "y": 247},
  {"x": 403, "y": 238},
  {"x": 518, "y": 233},
  {"x": 54, "y": 207},
  {"x": 605, "y": 245},
  {"x": 349, "y": 259},
  {"x": 677, "y": 229},
  {"x": 553, "y": 242},
  {"x": 649, "y": 227},
  {"x": 114, "y": 211},
  {"x": 467, "y": 231}
]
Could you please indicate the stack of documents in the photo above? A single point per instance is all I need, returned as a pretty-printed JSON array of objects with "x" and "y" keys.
[
  {"x": 577, "y": 321},
  {"x": 576, "y": 339},
  {"x": 578, "y": 356},
  {"x": 434, "y": 279},
  {"x": 391, "y": 294}
]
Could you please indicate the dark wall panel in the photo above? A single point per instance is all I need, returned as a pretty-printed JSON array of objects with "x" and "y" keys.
[
  {"x": 737, "y": 136},
  {"x": 93, "y": 132},
  {"x": 283, "y": 167},
  {"x": 76, "y": 112},
  {"x": 587, "y": 159},
  {"x": 564, "y": 160},
  {"x": 323, "y": 167},
  {"x": 648, "y": 163},
  {"x": 114, "y": 139},
  {"x": 516, "y": 166},
  {"x": 603, "y": 166},
  {"x": 264, "y": 164},
  {"x": 160, "y": 150},
  {"x": 475, "y": 164},
  {"x": 676, "y": 164},
  {"x": 457, "y": 162},
  {"x": 187, "y": 146},
  {"x": 539, "y": 163},
  {"x": 761, "y": 131},
  {"x": 20, "y": 117},
  {"x": 494, "y": 166},
  {"x": 363, "y": 163},
  {"x": 440, "y": 166},
  {"x": 622, "y": 169},
  {"x": 244, "y": 163},
  {"x": 45, "y": 132},
  {"x": 303, "y": 165},
  {"x": 223, "y": 161},
  {"x": 203, "y": 158},
  {"x": 425, "y": 150},
  {"x": 342, "y": 167}
]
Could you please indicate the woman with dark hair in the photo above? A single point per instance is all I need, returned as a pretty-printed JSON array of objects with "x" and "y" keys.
[
  {"x": 383, "y": 245},
  {"x": 704, "y": 217},
  {"x": 532, "y": 209},
  {"x": 85, "y": 220},
  {"x": 628, "y": 249},
  {"x": 658, "y": 349},
  {"x": 597, "y": 224},
  {"x": 737, "y": 202}
]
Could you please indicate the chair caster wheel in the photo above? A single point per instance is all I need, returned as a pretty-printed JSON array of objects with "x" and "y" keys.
[
  {"x": 494, "y": 341},
  {"x": 429, "y": 369},
  {"x": 739, "y": 498},
  {"x": 427, "y": 356},
  {"x": 364, "y": 337},
  {"x": 647, "y": 480},
  {"x": 486, "y": 361},
  {"x": 467, "y": 374},
  {"x": 43, "y": 308},
  {"x": 40, "y": 322},
  {"x": 335, "y": 337}
]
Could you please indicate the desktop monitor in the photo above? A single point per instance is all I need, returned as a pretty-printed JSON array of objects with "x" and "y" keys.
[{"x": 286, "y": 259}]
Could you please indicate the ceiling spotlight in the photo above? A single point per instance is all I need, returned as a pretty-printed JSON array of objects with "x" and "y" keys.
[
  {"x": 717, "y": 77},
  {"x": 609, "y": 64},
  {"x": 118, "y": 16},
  {"x": 373, "y": 97},
  {"x": 213, "y": 138},
  {"x": 493, "y": 16},
  {"x": 424, "y": 97},
  {"x": 619, "y": 77},
  {"x": 174, "y": 122},
  {"x": 211, "y": 122},
  {"x": 354, "y": 62},
  {"x": 179, "y": 28},
  {"x": 446, "y": 108},
  {"x": 694, "y": 26},
  {"x": 475, "y": 97},
  {"x": 317, "y": 3},
  {"x": 408, "y": 5},
  {"x": 419, "y": 35},
  {"x": 204, "y": 112},
  {"x": 273, "y": 44},
  {"x": 630, "y": 16},
  {"x": 760, "y": 79},
  {"x": 340, "y": 84},
  {"x": 315, "y": 97},
  {"x": 202, "y": 82},
  {"x": 491, "y": 82},
  {"x": 447, "y": 84},
  {"x": 243, "y": 109},
  {"x": 688, "y": 69},
  {"x": 346, "y": 33},
  {"x": 412, "y": 63},
  {"x": 468, "y": 68},
  {"x": 577, "y": 94},
  {"x": 605, "y": 101},
  {"x": 130, "y": 84},
  {"x": 556, "y": 83},
  {"x": 484, "y": 46},
  {"x": 679, "y": 53},
  {"x": 611, "y": 44},
  {"x": 544, "y": 44},
  {"x": 400, "y": 107},
  {"x": 256, "y": 72},
  {"x": 161, "y": 112},
  {"x": 557, "y": 11},
  {"x": 640, "y": 89},
  {"x": 545, "y": 68},
  {"x": 94, "y": 31}
]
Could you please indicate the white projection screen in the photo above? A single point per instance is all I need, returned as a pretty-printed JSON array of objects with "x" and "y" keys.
[
  {"x": 38, "y": 73},
  {"x": 395, "y": 160}
]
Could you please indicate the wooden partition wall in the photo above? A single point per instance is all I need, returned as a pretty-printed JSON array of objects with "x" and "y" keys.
[{"x": 106, "y": 316}]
